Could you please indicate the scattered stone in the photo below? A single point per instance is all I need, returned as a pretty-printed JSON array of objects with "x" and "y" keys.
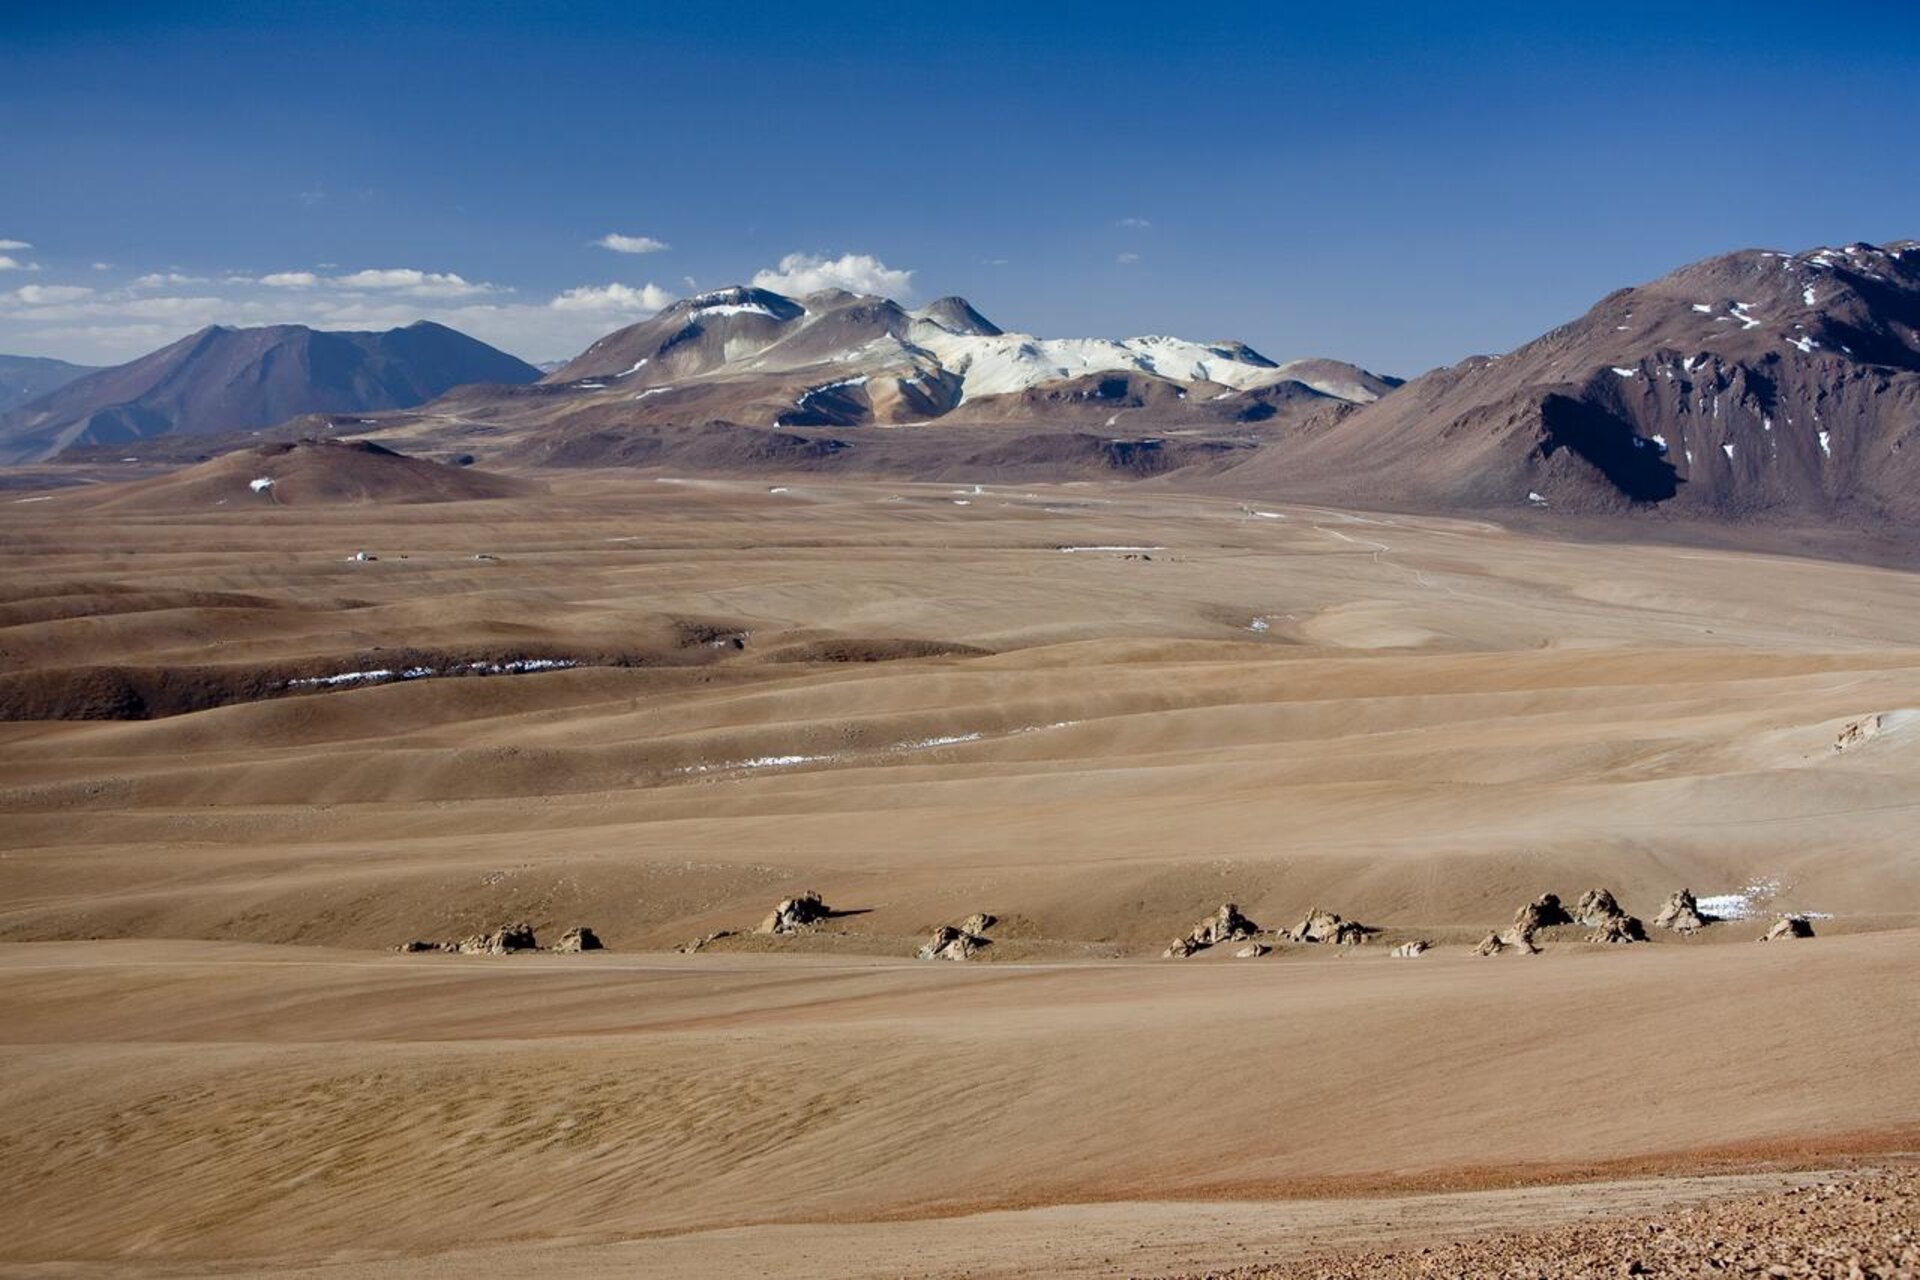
[
  {"x": 1789, "y": 927},
  {"x": 949, "y": 943},
  {"x": 794, "y": 914},
  {"x": 1681, "y": 912},
  {"x": 1328, "y": 927},
  {"x": 1408, "y": 950},
  {"x": 1543, "y": 912},
  {"x": 1491, "y": 945},
  {"x": 1252, "y": 951},
  {"x": 1619, "y": 929},
  {"x": 1596, "y": 907},
  {"x": 577, "y": 939},
  {"x": 700, "y": 944}
]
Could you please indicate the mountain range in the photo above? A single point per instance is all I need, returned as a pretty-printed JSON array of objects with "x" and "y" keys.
[
  {"x": 225, "y": 380},
  {"x": 1756, "y": 384}
]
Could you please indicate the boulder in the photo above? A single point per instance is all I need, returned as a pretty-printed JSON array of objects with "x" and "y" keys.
[
  {"x": 1681, "y": 912},
  {"x": 949, "y": 943},
  {"x": 793, "y": 914},
  {"x": 1328, "y": 927},
  {"x": 1789, "y": 927},
  {"x": 417, "y": 945},
  {"x": 1543, "y": 912},
  {"x": 1619, "y": 929},
  {"x": 978, "y": 923},
  {"x": 1408, "y": 950},
  {"x": 1491, "y": 945},
  {"x": 1252, "y": 951},
  {"x": 1180, "y": 949},
  {"x": 506, "y": 939},
  {"x": 1596, "y": 907},
  {"x": 579, "y": 938}
]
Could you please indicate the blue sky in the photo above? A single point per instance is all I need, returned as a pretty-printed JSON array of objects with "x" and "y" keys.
[{"x": 1378, "y": 184}]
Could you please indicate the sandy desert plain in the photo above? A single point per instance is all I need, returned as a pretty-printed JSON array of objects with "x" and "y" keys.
[{"x": 1097, "y": 712}]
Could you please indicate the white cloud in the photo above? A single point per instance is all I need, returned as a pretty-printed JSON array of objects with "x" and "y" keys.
[
  {"x": 800, "y": 273},
  {"x": 631, "y": 244},
  {"x": 290, "y": 280},
  {"x": 613, "y": 298},
  {"x": 1134, "y": 224},
  {"x": 166, "y": 279},
  {"x": 11, "y": 264},
  {"x": 1127, "y": 259},
  {"x": 103, "y": 266},
  {"x": 414, "y": 283},
  {"x": 36, "y": 295},
  {"x": 14, "y": 244}
]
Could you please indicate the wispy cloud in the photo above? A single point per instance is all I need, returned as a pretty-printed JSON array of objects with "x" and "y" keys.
[
  {"x": 631, "y": 244},
  {"x": 44, "y": 294},
  {"x": 166, "y": 280},
  {"x": 14, "y": 244},
  {"x": 800, "y": 273},
  {"x": 1135, "y": 224},
  {"x": 1127, "y": 259},
  {"x": 11, "y": 264}
]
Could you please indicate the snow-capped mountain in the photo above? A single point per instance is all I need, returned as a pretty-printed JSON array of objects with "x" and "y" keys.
[{"x": 836, "y": 358}]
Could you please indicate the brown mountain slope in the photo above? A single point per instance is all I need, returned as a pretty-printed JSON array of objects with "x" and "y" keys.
[
  {"x": 223, "y": 379},
  {"x": 304, "y": 473},
  {"x": 1757, "y": 384}
]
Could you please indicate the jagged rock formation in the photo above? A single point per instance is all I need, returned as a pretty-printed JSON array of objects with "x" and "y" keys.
[
  {"x": 794, "y": 914},
  {"x": 505, "y": 940},
  {"x": 1681, "y": 912},
  {"x": 1328, "y": 927},
  {"x": 1789, "y": 927},
  {"x": 579, "y": 938},
  {"x": 978, "y": 923},
  {"x": 1491, "y": 945},
  {"x": 950, "y": 943}
]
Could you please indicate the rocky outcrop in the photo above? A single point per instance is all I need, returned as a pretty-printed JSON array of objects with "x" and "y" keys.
[
  {"x": 1491, "y": 945},
  {"x": 1596, "y": 907},
  {"x": 1681, "y": 913},
  {"x": 577, "y": 939},
  {"x": 951, "y": 943},
  {"x": 1619, "y": 929},
  {"x": 1328, "y": 927},
  {"x": 1543, "y": 912},
  {"x": 1857, "y": 733},
  {"x": 1408, "y": 950},
  {"x": 793, "y": 914},
  {"x": 702, "y": 943},
  {"x": 1224, "y": 925},
  {"x": 1789, "y": 927},
  {"x": 505, "y": 940},
  {"x": 978, "y": 923},
  {"x": 1600, "y": 912},
  {"x": 1252, "y": 951}
]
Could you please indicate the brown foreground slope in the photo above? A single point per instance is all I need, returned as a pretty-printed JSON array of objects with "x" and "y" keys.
[{"x": 1096, "y": 712}]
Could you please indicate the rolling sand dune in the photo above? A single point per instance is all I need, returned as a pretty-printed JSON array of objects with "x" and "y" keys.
[{"x": 238, "y": 769}]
